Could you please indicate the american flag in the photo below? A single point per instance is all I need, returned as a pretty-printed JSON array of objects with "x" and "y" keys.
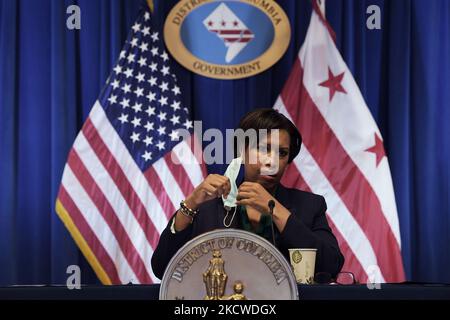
[
  {"x": 342, "y": 156},
  {"x": 127, "y": 171}
]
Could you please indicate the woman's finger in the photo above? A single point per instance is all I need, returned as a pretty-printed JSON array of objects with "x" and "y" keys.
[
  {"x": 227, "y": 186},
  {"x": 244, "y": 195},
  {"x": 244, "y": 202},
  {"x": 210, "y": 190},
  {"x": 245, "y": 188}
]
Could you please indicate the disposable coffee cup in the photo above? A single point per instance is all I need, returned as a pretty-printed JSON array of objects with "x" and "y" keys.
[{"x": 303, "y": 262}]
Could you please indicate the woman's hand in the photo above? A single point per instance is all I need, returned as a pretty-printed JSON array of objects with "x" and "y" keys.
[
  {"x": 213, "y": 186},
  {"x": 254, "y": 195}
]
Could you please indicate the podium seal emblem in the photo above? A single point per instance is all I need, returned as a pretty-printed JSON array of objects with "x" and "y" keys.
[{"x": 228, "y": 264}]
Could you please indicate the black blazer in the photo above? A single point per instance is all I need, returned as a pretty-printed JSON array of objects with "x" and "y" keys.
[{"x": 307, "y": 227}]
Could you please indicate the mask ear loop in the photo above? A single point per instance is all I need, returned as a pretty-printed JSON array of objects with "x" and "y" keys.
[{"x": 228, "y": 209}]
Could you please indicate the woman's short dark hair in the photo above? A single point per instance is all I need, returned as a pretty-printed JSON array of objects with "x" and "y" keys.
[{"x": 268, "y": 118}]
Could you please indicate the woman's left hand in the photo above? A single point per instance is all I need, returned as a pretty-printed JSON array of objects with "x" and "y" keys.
[{"x": 254, "y": 195}]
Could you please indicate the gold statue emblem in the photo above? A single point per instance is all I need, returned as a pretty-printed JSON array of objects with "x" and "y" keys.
[
  {"x": 238, "y": 288},
  {"x": 215, "y": 280}
]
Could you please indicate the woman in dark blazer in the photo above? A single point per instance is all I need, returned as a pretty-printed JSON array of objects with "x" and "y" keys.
[{"x": 298, "y": 216}]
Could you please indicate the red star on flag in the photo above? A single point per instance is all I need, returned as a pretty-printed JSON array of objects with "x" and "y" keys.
[
  {"x": 333, "y": 83},
  {"x": 378, "y": 149}
]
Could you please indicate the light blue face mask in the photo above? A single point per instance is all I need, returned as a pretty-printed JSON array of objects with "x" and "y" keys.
[{"x": 229, "y": 202}]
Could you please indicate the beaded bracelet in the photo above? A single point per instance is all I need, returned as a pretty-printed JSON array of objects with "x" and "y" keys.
[{"x": 188, "y": 212}]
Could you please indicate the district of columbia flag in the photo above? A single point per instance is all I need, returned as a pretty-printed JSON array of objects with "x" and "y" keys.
[
  {"x": 342, "y": 156},
  {"x": 127, "y": 170}
]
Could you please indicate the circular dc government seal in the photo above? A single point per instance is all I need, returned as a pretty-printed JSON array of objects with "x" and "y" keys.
[
  {"x": 228, "y": 264},
  {"x": 227, "y": 39}
]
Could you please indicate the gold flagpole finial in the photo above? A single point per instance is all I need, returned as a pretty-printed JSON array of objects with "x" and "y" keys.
[{"x": 150, "y": 4}]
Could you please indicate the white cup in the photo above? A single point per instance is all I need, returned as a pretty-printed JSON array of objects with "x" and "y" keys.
[{"x": 303, "y": 262}]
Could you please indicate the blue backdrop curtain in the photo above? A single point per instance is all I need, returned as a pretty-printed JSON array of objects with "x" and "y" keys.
[{"x": 50, "y": 77}]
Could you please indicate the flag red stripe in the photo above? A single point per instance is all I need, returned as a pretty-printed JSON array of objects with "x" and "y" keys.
[
  {"x": 294, "y": 179},
  {"x": 89, "y": 236},
  {"x": 338, "y": 167},
  {"x": 160, "y": 192},
  {"x": 179, "y": 173},
  {"x": 122, "y": 182},
  {"x": 240, "y": 40},
  {"x": 246, "y": 32},
  {"x": 351, "y": 263},
  {"x": 109, "y": 214}
]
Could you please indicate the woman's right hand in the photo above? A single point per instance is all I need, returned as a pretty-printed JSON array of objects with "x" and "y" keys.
[{"x": 213, "y": 186}]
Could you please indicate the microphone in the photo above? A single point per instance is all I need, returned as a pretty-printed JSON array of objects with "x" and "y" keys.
[{"x": 271, "y": 205}]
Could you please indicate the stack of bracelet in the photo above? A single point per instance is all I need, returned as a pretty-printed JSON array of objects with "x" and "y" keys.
[{"x": 188, "y": 212}]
